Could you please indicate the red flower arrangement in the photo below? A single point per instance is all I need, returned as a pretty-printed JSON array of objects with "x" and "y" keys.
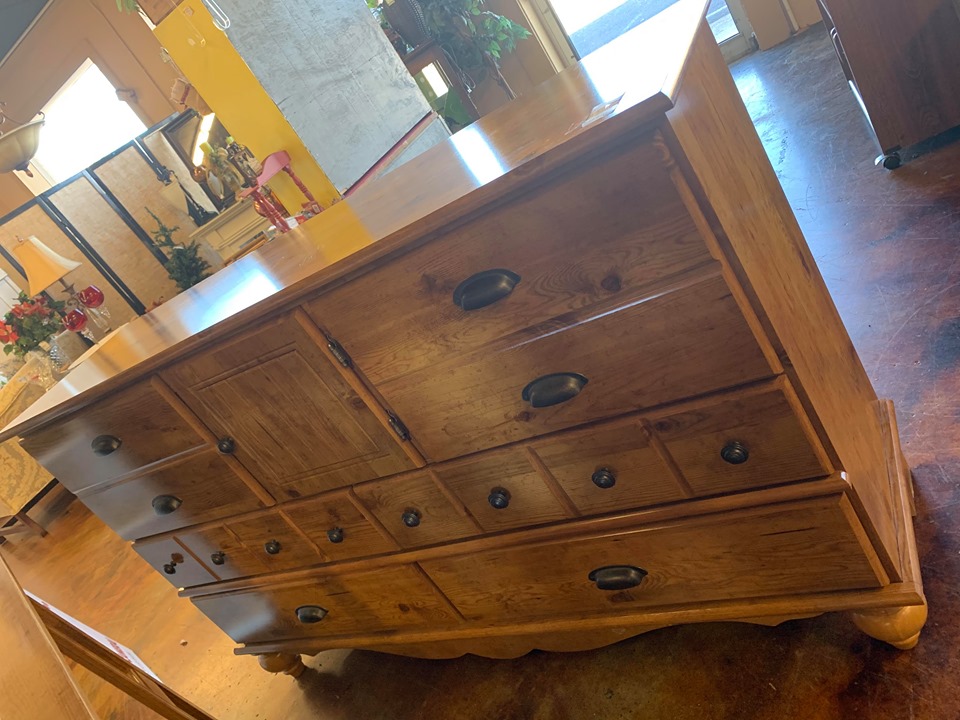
[{"x": 29, "y": 323}]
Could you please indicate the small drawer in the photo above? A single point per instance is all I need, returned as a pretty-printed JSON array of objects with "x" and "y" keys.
[
  {"x": 503, "y": 491},
  {"x": 358, "y": 603},
  {"x": 757, "y": 553},
  {"x": 338, "y": 528},
  {"x": 276, "y": 543},
  {"x": 195, "y": 490},
  {"x": 174, "y": 562},
  {"x": 680, "y": 344},
  {"x": 610, "y": 468},
  {"x": 223, "y": 552},
  {"x": 744, "y": 441},
  {"x": 415, "y": 511},
  {"x": 133, "y": 428}
]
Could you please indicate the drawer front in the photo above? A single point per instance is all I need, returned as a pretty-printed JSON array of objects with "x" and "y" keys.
[
  {"x": 800, "y": 547},
  {"x": 197, "y": 490},
  {"x": 385, "y": 599},
  {"x": 610, "y": 468},
  {"x": 747, "y": 441},
  {"x": 173, "y": 561},
  {"x": 224, "y": 553},
  {"x": 275, "y": 542},
  {"x": 131, "y": 429},
  {"x": 296, "y": 423},
  {"x": 339, "y": 529},
  {"x": 574, "y": 243},
  {"x": 503, "y": 491},
  {"x": 677, "y": 345},
  {"x": 415, "y": 511}
]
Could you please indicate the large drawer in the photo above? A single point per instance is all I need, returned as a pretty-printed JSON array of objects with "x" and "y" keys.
[
  {"x": 131, "y": 429},
  {"x": 363, "y": 602},
  {"x": 680, "y": 344},
  {"x": 772, "y": 551},
  {"x": 600, "y": 236},
  {"x": 189, "y": 492}
]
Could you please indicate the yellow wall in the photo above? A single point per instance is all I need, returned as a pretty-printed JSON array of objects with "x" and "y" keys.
[{"x": 208, "y": 59}]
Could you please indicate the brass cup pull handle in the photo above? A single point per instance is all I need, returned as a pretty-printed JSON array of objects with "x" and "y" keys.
[
  {"x": 499, "y": 498},
  {"x": 218, "y": 558},
  {"x": 103, "y": 445},
  {"x": 335, "y": 535},
  {"x": 617, "y": 577},
  {"x": 604, "y": 478},
  {"x": 166, "y": 504},
  {"x": 735, "y": 453},
  {"x": 311, "y": 614},
  {"x": 554, "y": 389},
  {"x": 272, "y": 547},
  {"x": 484, "y": 288},
  {"x": 411, "y": 517},
  {"x": 226, "y": 446}
]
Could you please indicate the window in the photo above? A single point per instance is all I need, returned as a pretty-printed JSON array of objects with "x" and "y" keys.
[{"x": 85, "y": 121}]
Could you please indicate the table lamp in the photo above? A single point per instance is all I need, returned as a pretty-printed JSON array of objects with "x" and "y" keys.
[{"x": 43, "y": 268}]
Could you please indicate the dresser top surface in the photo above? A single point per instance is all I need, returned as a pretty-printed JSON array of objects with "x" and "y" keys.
[{"x": 609, "y": 94}]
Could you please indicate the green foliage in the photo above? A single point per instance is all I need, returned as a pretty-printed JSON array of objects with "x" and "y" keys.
[
  {"x": 184, "y": 264},
  {"x": 29, "y": 323},
  {"x": 128, "y": 5},
  {"x": 476, "y": 38}
]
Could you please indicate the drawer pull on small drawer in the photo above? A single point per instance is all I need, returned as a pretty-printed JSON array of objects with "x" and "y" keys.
[
  {"x": 335, "y": 535},
  {"x": 735, "y": 453},
  {"x": 617, "y": 577},
  {"x": 226, "y": 446},
  {"x": 170, "y": 568},
  {"x": 604, "y": 479},
  {"x": 103, "y": 445},
  {"x": 272, "y": 547},
  {"x": 218, "y": 558},
  {"x": 485, "y": 288},
  {"x": 311, "y": 614},
  {"x": 554, "y": 389},
  {"x": 499, "y": 498},
  {"x": 411, "y": 518},
  {"x": 166, "y": 504}
]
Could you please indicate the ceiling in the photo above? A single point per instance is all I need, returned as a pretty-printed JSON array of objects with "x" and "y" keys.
[{"x": 15, "y": 18}]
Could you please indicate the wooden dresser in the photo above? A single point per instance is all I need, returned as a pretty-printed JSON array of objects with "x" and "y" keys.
[{"x": 568, "y": 377}]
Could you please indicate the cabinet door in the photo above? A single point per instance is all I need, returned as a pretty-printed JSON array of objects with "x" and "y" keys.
[{"x": 296, "y": 423}]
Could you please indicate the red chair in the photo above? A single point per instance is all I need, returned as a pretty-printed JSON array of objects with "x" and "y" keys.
[{"x": 272, "y": 165}]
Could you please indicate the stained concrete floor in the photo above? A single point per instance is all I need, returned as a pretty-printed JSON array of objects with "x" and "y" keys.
[{"x": 889, "y": 247}]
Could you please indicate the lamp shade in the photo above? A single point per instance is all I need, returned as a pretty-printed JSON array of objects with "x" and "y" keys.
[{"x": 42, "y": 266}]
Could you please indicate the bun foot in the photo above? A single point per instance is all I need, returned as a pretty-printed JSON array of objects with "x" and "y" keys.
[
  {"x": 290, "y": 665},
  {"x": 899, "y": 626}
]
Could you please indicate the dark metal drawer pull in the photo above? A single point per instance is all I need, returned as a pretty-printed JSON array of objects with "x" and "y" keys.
[
  {"x": 485, "y": 288},
  {"x": 735, "y": 453},
  {"x": 604, "y": 478},
  {"x": 311, "y": 614},
  {"x": 411, "y": 517},
  {"x": 218, "y": 558},
  {"x": 335, "y": 535},
  {"x": 105, "y": 445},
  {"x": 272, "y": 547},
  {"x": 226, "y": 446},
  {"x": 499, "y": 498},
  {"x": 617, "y": 577},
  {"x": 166, "y": 504},
  {"x": 554, "y": 389},
  {"x": 170, "y": 568}
]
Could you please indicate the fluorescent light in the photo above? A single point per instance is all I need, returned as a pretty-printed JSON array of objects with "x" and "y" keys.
[{"x": 203, "y": 134}]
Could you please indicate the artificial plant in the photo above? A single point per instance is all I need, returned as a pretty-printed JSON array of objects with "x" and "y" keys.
[
  {"x": 30, "y": 322},
  {"x": 184, "y": 265}
]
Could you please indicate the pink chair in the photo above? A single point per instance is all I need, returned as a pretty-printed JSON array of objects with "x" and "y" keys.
[{"x": 272, "y": 165}]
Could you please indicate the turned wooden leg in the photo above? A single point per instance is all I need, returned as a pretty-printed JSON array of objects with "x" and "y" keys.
[
  {"x": 291, "y": 665},
  {"x": 899, "y": 626}
]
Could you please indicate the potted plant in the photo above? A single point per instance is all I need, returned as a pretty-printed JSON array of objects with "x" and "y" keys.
[
  {"x": 30, "y": 323},
  {"x": 184, "y": 265}
]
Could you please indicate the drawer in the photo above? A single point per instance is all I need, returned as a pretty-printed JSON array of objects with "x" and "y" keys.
[
  {"x": 676, "y": 345},
  {"x": 224, "y": 553},
  {"x": 275, "y": 542},
  {"x": 358, "y": 603},
  {"x": 574, "y": 243},
  {"x": 779, "y": 550},
  {"x": 503, "y": 491},
  {"x": 608, "y": 468},
  {"x": 338, "y": 528},
  {"x": 195, "y": 490},
  {"x": 415, "y": 511},
  {"x": 751, "y": 439},
  {"x": 133, "y": 428},
  {"x": 172, "y": 560}
]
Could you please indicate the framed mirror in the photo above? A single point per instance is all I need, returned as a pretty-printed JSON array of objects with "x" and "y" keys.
[{"x": 186, "y": 133}]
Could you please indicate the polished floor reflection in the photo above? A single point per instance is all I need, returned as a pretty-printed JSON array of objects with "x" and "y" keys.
[{"x": 887, "y": 245}]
